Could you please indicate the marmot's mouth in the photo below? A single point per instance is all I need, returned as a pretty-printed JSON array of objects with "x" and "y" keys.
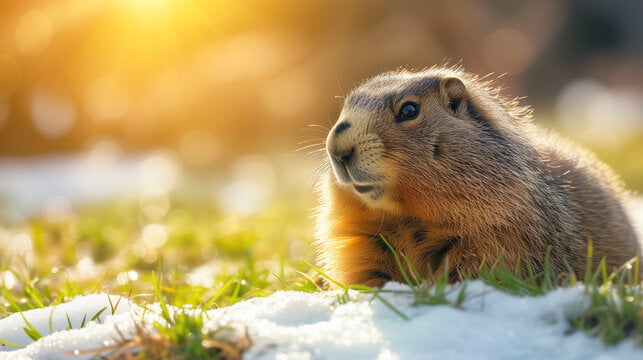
[
  {"x": 350, "y": 174},
  {"x": 341, "y": 172},
  {"x": 347, "y": 174}
]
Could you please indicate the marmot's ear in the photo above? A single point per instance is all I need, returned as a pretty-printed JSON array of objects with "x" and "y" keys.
[{"x": 453, "y": 92}]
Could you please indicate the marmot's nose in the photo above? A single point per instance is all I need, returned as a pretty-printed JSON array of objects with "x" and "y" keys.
[
  {"x": 341, "y": 127},
  {"x": 343, "y": 155}
]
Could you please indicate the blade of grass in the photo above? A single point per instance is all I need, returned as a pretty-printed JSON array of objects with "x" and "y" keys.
[
  {"x": 98, "y": 314},
  {"x": 69, "y": 325},
  {"x": 390, "y": 306},
  {"x": 397, "y": 260},
  {"x": 165, "y": 313},
  {"x": 322, "y": 273},
  {"x": 11, "y": 344},
  {"x": 220, "y": 292},
  {"x": 30, "y": 330}
]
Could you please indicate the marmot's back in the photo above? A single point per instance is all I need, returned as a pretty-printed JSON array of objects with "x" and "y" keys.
[
  {"x": 442, "y": 166},
  {"x": 596, "y": 197}
]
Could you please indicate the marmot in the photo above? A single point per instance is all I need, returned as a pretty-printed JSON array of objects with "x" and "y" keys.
[{"x": 441, "y": 165}]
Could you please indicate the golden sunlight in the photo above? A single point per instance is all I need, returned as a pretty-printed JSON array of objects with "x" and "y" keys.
[{"x": 146, "y": 5}]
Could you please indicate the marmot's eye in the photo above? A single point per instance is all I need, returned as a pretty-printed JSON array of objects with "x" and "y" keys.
[{"x": 408, "y": 111}]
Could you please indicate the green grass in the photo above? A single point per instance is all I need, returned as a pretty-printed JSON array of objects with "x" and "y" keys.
[
  {"x": 243, "y": 256},
  {"x": 616, "y": 305},
  {"x": 99, "y": 249}
]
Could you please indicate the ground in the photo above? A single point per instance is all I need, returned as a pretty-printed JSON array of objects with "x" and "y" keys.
[{"x": 179, "y": 269}]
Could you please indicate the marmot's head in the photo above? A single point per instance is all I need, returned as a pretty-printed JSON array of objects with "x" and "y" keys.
[{"x": 402, "y": 137}]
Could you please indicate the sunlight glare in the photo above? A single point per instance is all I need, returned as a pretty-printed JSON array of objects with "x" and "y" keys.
[
  {"x": 145, "y": 4},
  {"x": 147, "y": 7}
]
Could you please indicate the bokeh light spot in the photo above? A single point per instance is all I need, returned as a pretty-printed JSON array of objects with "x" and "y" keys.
[
  {"x": 86, "y": 268},
  {"x": 132, "y": 275},
  {"x": 21, "y": 246},
  {"x": 34, "y": 32},
  {"x": 52, "y": 111},
  {"x": 159, "y": 172},
  {"x": 154, "y": 235},
  {"x": 253, "y": 183},
  {"x": 126, "y": 276},
  {"x": 8, "y": 280},
  {"x": 23, "y": 243},
  {"x": 508, "y": 50},
  {"x": 204, "y": 275},
  {"x": 154, "y": 204},
  {"x": 607, "y": 115},
  {"x": 103, "y": 154}
]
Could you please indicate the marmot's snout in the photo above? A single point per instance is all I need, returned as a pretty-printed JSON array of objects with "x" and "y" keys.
[
  {"x": 341, "y": 151},
  {"x": 341, "y": 159},
  {"x": 353, "y": 157}
]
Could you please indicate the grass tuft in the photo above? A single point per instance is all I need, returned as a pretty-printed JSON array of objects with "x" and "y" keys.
[
  {"x": 181, "y": 335},
  {"x": 615, "y": 308}
]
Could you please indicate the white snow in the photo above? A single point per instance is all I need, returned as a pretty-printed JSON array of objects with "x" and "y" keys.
[{"x": 297, "y": 325}]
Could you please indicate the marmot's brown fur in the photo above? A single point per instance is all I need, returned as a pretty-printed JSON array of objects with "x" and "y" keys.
[{"x": 442, "y": 166}]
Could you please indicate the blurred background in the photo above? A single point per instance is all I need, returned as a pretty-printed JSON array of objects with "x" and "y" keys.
[
  {"x": 205, "y": 101},
  {"x": 216, "y": 79}
]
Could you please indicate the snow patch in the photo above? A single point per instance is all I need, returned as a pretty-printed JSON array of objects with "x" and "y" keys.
[{"x": 295, "y": 325}]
